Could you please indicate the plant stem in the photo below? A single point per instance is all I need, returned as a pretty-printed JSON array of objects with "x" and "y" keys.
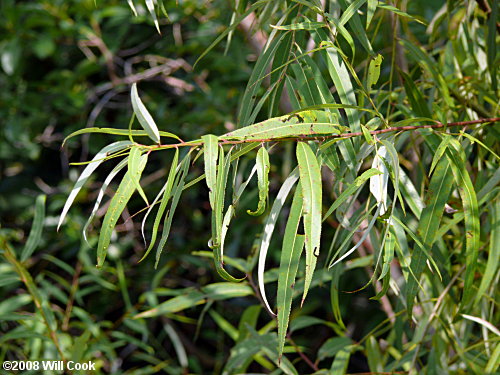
[{"x": 324, "y": 137}]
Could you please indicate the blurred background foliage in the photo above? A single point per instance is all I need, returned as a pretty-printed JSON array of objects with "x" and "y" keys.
[{"x": 68, "y": 64}]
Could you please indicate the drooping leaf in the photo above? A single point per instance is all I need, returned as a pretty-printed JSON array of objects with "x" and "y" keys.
[
  {"x": 165, "y": 194},
  {"x": 102, "y": 191},
  {"x": 116, "y": 207},
  {"x": 494, "y": 251},
  {"x": 467, "y": 192},
  {"x": 89, "y": 169},
  {"x": 134, "y": 161},
  {"x": 150, "y": 4},
  {"x": 211, "y": 153},
  {"x": 269, "y": 229},
  {"x": 177, "y": 189},
  {"x": 310, "y": 179},
  {"x": 143, "y": 115},
  {"x": 263, "y": 168},
  {"x": 438, "y": 192},
  {"x": 293, "y": 244},
  {"x": 36, "y": 228}
]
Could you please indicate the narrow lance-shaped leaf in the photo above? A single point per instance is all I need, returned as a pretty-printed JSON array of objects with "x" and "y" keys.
[
  {"x": 123, "y": 132},
  {"x": 466, "y": 190},
  {"x": 263, "y": 167},
  {"x": 166, "y": 194},
  {"x": 116, "y": 207},
  {"x": 211, "y": 153},
  {"x": 102, "y": 190},
  {"x": 36, "y": 229},
  {"x": 143, "y": 115},
  {"x": 269, "y": 229},
  {"x": 220, "y": 224},
  {"x": 176, "y": 195},
  {"x": 89, "y": 169},
  {"x": 134, "y": 160},
  {"x": 289, "y": 263},
  {"x": 372, "y": 7},
  {"x": 310, "y": 179},
  {"x": 150, "y": 4},
  {"x": 438, "y": 192},
  {"x": 494, "y": 253}
]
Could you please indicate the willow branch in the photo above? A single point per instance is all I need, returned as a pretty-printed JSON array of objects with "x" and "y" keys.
[{"x": 324, "y": 137}]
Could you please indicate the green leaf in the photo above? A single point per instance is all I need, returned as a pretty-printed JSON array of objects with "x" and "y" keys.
[
  {"x": 494, "y": 253},
  {"x": 351, "y": 11},
  {"x": 211, "y": 153},
  {"x": 341, "y": 80},
  {"x": 372, "y": 7},
  {"x": 176, "y": 195},
  {"x": 89, "y": 169},
  {"x": 124, "y": 132},
  {"x": 310, "y": 179},
  {"x": 306, "y": 25},
  {"x": 116, "y": 207},
  {"x": 166, "y": 194},
  {"x": 289, "y": 263},
  {"x": 491, "y": 45},
  {"x": 307, "y": 123},
  {"x": 374, "y": 71},
  {"x": 424, "y": 59},
  {"x": 467, "y": 192},
  {"x": 102, "y": 191},
  {"x": 268, "y": 231},
  {"x": 263, "y": 168},
  {"x": 144, "y": 117},
  {"x": 438, "y": 192},
  {"x": 134, "y": 161},
  {"x": 36, "y": 228},
  {"x": 399, "y": 12},
  {"x": 190, "y": 298}
]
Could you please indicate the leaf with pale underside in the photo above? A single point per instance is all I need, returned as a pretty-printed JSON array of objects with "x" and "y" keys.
[
  {"x": 143, "y": 115},
  {"x": 89, "y": 169},
  {"x": 269, "y": 229},
  {"x": 310, "y": 179}
]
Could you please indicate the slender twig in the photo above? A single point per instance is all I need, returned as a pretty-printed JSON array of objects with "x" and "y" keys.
[
  {"x": 324, "y": 137},
  {"x": 302, "y": 354}
]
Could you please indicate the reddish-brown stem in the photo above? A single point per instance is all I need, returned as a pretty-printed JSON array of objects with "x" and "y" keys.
[{"x": 338, "y": 136}]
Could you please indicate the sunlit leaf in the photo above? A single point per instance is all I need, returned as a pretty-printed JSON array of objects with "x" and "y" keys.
[
  {"x": 290, "y": 255},
  {"x": 116, "y": 207},
  {"x": 310, "y": 179},
  {"x": 143, "y": 115},
  {"x": 89, "y": 169}
]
